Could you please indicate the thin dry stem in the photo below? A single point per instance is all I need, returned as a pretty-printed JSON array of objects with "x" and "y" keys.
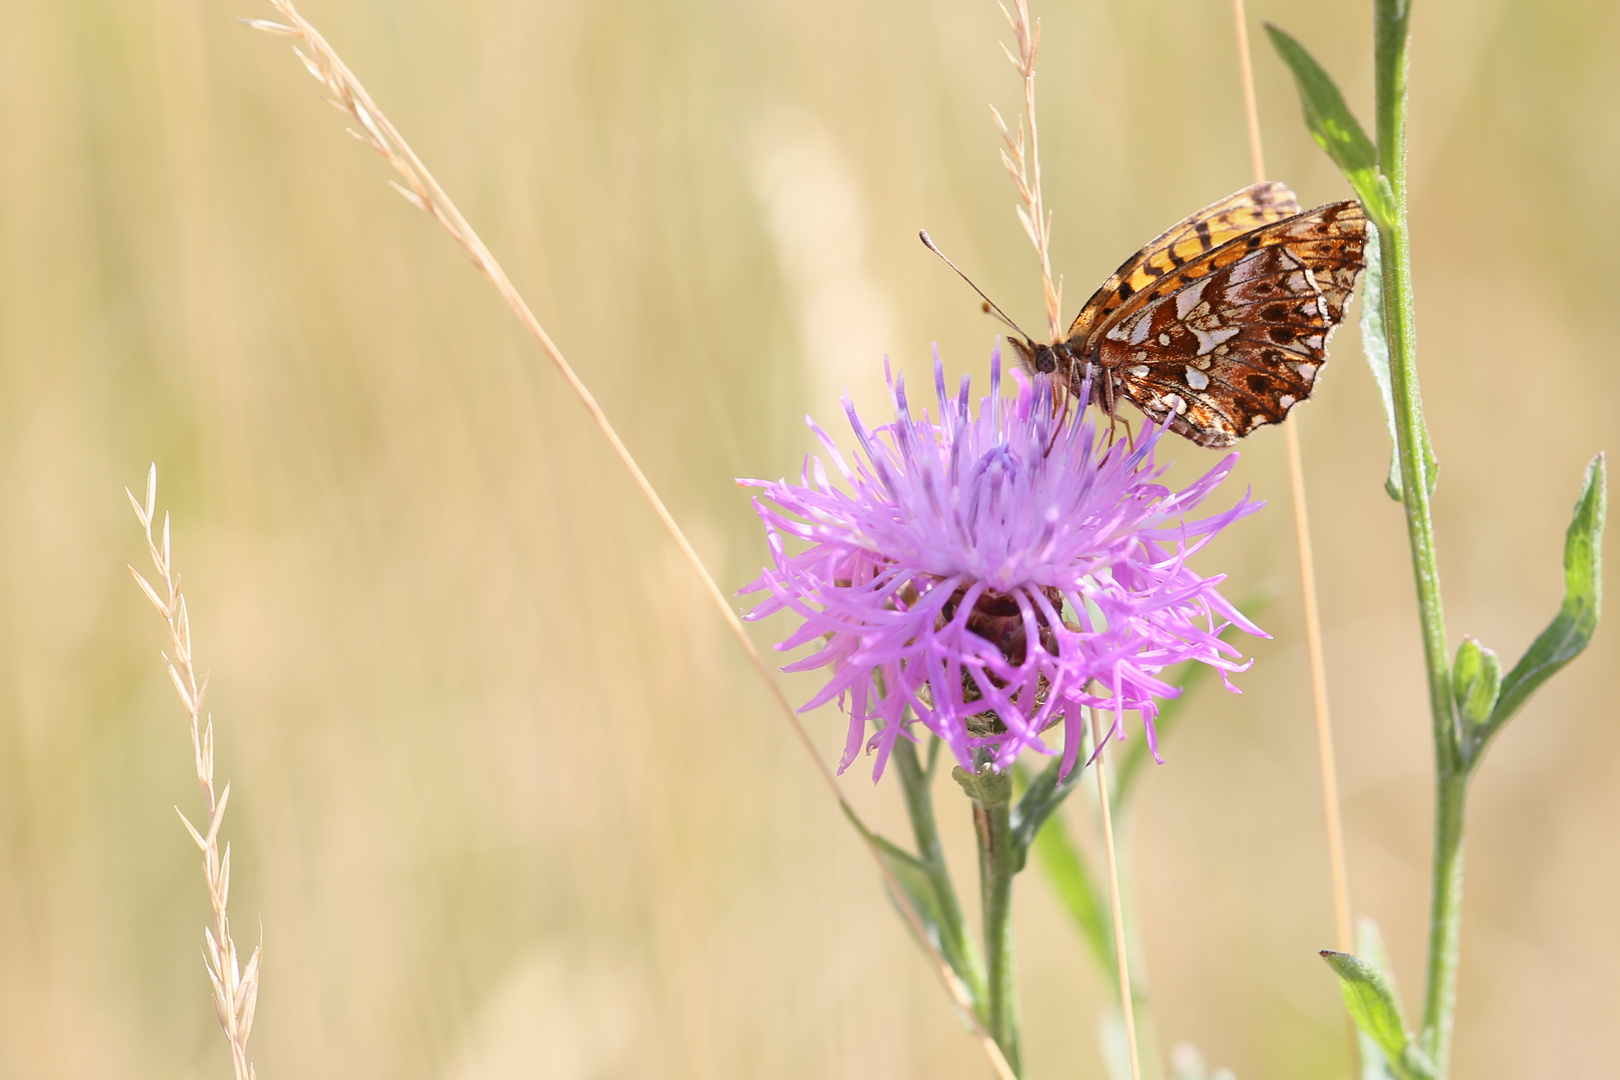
[
  {"x": 1337, "y": 865},
  {"x": 419, "y": 187},
  {"x": 1127, "y": 1006},
  {"x": 1025, "y": 167},
  {"x": 236, "y": 990}
]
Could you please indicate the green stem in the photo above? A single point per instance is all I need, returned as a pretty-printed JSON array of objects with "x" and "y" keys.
[
  {"x": 1445, "y": 923},
  {"x": 997, "y": 865},
  {"x": 1412, "y": 440},
  {"x": 1391, "y": 22},
  {"x": 955, "y": 944}
]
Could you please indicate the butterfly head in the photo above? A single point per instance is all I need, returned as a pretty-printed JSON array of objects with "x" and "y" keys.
[{"x": 1060, "y": 357}]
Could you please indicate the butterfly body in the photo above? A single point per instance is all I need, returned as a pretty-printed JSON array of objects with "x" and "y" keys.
[{"x": 1220, "y": 324}]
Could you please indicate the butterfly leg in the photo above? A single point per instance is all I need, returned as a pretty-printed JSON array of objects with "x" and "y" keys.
[
  {"x": 1063, "y": 414},
  {"x": 1109, "y": 406}
]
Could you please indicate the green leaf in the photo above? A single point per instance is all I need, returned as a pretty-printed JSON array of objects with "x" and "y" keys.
[
  {"x": 914, "y": 880},
  {"x": 1334, "y": 127},
  {"x": 912, "y": 877},
  {"x": 1065, "y": 868},
  {"x": 1476, "y": 680},
  {"x": 1115, "y": 1044},
  {"x": 954, "y": 942},
  {"x": 1567, "y": 635},
  {"x": 1370, "y": 947},
  {"x": 1374, "y": 1065},
  {"x": 1375, "y": 347},
  {"x": 1043, "y": 796},
  {"x": 1371, "y": 1002}
]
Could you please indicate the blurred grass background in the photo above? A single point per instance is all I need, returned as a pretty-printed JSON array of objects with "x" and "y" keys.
[{"x": 507, "y": 803}]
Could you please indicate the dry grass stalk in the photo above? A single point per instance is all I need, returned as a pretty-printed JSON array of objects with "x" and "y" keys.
[
  {"x": 1127, "y": 1004},
  {"x": 1024, "y": 166},
  {"x": 1025, "y": 170},
  {"x": 1338, "y": 868},
  {"x": 236, "y": 989},
  {"x": 349, "y": 96}
]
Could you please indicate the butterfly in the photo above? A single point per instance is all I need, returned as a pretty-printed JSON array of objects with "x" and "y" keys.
[{"x": 1221, "y": 324}]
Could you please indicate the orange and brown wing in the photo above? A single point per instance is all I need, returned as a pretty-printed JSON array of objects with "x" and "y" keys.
[
  {"x": 1240, "y": 212},
  {"x": 1233, "y": 339}
]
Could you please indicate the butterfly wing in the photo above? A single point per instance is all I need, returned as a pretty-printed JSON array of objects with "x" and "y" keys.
[
  {"x": 1233, "y": 338},
  {"x": 1241, "y": 212}
]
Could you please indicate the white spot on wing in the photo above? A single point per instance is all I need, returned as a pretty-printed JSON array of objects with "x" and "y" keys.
[
  {"x": 1196, "y": 379},
  {"x": 1249, "y": 267},
  {"x": 1208, "y": 339},
  {"x": 1140, "y": 371},
  {"x": 1187, "y": 298},
  {"x": 1140, "y": 328}
]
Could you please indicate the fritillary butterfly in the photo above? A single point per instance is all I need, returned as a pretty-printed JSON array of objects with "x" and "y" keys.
[{"x": 1222, "y": 322}]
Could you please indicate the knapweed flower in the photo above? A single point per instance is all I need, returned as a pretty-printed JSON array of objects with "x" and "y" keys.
[{"x": 986, "y": 574}]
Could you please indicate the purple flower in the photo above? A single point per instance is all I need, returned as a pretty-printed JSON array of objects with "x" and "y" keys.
[{"x": 989, "y": 573}]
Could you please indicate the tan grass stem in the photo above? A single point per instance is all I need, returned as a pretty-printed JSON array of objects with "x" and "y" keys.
[
  {"x": 1126, "y": 1004},
  {"x": 236, "y": 989},
  {"x": 1307, "y": 571},
  {"x": 1025, "y": 170},
  {"x": 349, "y": 96},
  {"x": 1025, "y": 167}
]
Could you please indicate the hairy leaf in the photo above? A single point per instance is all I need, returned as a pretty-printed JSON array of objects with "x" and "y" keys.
[
  {"x": 1065, "y": 867},
  {"x": 1371, "y": 1003},
  {"x": 1570, "y": 630},
  {"x": 1335, "y": 128}
]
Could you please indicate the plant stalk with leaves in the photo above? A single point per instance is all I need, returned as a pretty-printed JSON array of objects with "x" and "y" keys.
[{"x": 1469, "y": 698}]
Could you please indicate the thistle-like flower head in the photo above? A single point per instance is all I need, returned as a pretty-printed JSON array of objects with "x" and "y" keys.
[{"x": 987, "y": 573}]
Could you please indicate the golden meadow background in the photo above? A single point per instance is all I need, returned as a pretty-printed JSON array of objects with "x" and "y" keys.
[{"x": 506, "y": 802}]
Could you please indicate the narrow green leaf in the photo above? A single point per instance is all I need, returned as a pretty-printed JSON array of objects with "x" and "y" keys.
[
  {"x": 1065, "y": 868},
  {"x": 1115, "y": 1044},
  {"x": 1044, "y": 795},
  {"x": 1567, "y": 635},
  {"x": 955, "y": 943},
  {"x": 1370, "y": 947},
  {"x": 1375, "y": 347},
  {"x": 1374, "y": 1065},
  {"x": 1476, "y": 680},
  {"x": 1371, "y": 1003},
  {"x": 1334, "y": 126},
  {"x": 915, "y": 882}
]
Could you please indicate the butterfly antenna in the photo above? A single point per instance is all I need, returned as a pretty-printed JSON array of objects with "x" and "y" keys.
[{"x": 990, "y": 307}]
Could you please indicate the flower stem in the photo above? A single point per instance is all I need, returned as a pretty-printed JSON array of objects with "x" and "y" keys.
[
  {"x": 1445, "y": 923},
  {"x": 954, "y": 943},
  {"x": 998, "y": 862},
  {"x": 1392, "y": 20}
]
